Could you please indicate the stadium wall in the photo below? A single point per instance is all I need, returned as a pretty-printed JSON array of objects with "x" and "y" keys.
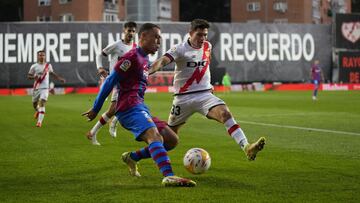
[{"x": 248, "y": 52}]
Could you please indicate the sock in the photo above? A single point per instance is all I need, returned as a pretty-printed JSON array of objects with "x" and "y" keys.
[
  {"x": 114, "y": 122},
  {"x": 41, "y": 111},
  {"x": 159, "y": 155},
  {"x": 143, "y": 153},
  {"x": 101, "y": 122},
  {"x": 236, "y": 133},
  {"x": 315, "y": 92}
]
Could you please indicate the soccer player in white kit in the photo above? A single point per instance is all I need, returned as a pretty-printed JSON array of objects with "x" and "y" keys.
[
  {"x": 39, "y": 72},
  {"x": 115, "y": 51},
  {"x": 193, "y": 91}
]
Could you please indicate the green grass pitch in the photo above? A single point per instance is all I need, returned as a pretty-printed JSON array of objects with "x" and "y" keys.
[{"x": 56, "y": 163}]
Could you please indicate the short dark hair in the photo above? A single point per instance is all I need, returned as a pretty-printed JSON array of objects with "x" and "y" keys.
[
  {"x": 199, "y": 24},
  {"x": 41, "y": 51},
  {"x": 130, "y": 24},
  {"x": 146, "y": 27}
]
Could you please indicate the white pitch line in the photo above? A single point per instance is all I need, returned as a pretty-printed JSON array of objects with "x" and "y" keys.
[{"x": 299, "y": 128}]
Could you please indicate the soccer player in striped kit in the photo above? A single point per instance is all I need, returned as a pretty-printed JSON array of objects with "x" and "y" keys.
[
  {"x": 131, "y": 74},
  {"x": 317, "y": 76},
  {"x": 193, "y": 91},
  {"x": 39, "y": 72},
  {"x": 115, "y": 51}
]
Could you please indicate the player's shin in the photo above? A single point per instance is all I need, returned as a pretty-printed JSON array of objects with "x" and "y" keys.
[
  {"x": 113, "y": 126},
  {"x": 236, "y": 133},
  {"x": 162, "y": 160},
  {"x": 41, "y": 115},
  {"x": 101, "y": 122}
]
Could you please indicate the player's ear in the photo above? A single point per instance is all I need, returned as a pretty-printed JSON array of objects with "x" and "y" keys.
[{"x": 191, "y": 32}]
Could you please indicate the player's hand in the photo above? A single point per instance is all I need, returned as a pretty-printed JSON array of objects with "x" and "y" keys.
[
  {"x": 102, "y": 72},
  {"x": 62, "y": 80},
  {"x": 90, "y": 114}
]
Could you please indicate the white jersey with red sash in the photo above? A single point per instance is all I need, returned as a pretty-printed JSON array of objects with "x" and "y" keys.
[
  {"x": 115, "y": 50},
  {"x": 192, "y": 72},
  {"x": 42, "y": 72}
]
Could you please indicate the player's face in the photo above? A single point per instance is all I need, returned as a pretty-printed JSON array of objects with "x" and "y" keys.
[
  {"x": 152, "y": 40},
  {"x": 41, "y": 57},
  {"x": 198, "y": 37},
  {"x": 129, "y": 33}
]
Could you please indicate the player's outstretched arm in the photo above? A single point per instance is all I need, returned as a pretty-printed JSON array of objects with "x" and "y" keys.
[
  {"x": 105, "y": 90},
  {"x": 58, "y": 77},
  {"x": 158, "y": 64}
]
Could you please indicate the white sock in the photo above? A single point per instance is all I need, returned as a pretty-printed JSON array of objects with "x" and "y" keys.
[
  {"x": 41, "y": 111},
  {"x": 114, "y": 122},
  {"x": 101, "y": 122},
  {"x": 236, "y": 133}
]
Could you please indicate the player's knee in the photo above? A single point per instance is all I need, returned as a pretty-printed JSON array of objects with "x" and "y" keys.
[
  {"x": 156, "y": 137},
  {"x": 112, "y": 109},
  {"x": 225, "y": 115},
  {"x": 171, "y": 144}
]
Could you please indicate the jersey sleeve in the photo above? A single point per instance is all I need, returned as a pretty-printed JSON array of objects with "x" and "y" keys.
[
  {"x": 113, "y": 79},
  {"x": 32, "y": 70},
  {"x": 109, "y": 49},
  {"x": 174, "y": 53},
  {"x": 51, "y": 70},
  {"x": 125, "y": 66}
]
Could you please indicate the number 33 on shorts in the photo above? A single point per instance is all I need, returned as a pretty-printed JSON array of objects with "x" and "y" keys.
[{"x": 175, "y": 110}]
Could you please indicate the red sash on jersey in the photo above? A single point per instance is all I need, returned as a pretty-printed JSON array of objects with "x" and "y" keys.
[
  {"x": 43, "y": 75},
  {"x": 198, "y": 75}
]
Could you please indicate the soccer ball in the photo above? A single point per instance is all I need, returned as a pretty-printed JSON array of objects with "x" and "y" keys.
[{"x": 197, "y": 160}]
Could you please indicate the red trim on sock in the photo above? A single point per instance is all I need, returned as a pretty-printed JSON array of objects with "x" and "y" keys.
[
  {"x": 233, "y": 128},
  {"x": 164, "y": 163},
  {"x": 166, "y": 172},
  {"x": 102, "y": 121},
  {"x": 154, "y": 149},
  {"x": 138, "y": 153},
  {"x": 161, "y": 154}
]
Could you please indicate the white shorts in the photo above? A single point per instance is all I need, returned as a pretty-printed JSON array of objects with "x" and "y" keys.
[
  {"x": 115, "y": 94},
  {"x": 38, "y": 94},
  {"x": 184, "y": 106}
]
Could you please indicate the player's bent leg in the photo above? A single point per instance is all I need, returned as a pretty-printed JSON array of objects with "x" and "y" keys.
[
  {"x": 41, "y": 112},
  {"x": 132, "y": 164},
  {"x": 113, "y": 127},
  {"x": 35, "y": 106},
  {"x": 92, "y": 137},
  {"x": 113, "y": 123},
  {"x": 159, "y": 155},
  {"x": 251, "y": 150}
]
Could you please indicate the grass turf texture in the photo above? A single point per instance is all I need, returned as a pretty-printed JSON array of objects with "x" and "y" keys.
[{"x": 56, "y": 163}]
